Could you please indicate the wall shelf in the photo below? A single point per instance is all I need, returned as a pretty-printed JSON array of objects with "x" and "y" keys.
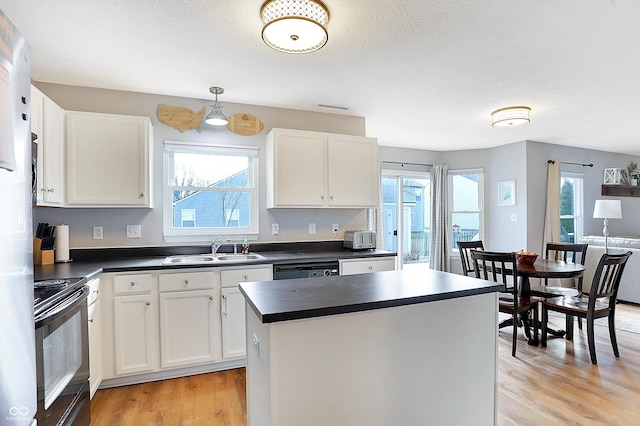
[{"x": 621, "y": 190}]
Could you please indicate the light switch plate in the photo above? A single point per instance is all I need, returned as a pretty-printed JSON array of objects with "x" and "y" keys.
[
  {"x": 97, "y": 233},
  {"x": 514, "y": 217},
  {"x": 312, "y": 228},
  {"x": 275, "y": 228},
  {"x": 134, "y": 231}
]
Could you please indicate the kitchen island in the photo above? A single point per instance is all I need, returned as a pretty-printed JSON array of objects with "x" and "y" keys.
[{"x": 397, "y": 347}]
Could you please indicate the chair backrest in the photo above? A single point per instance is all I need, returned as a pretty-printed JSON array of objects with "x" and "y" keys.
[
  {"x": 561, "y": 251},
  {"x": 500, "y": 267},
  {"x": 465, "y": 248},
  {"x": 606, "y": 279}
]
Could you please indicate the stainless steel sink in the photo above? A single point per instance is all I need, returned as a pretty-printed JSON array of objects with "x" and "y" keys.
[
  {"x": 190, "y": 259},
  {"x": 238, "y": 257},
  {"x": 198, "y": 259}
]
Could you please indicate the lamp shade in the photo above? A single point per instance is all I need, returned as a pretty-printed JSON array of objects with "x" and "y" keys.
[
  {"x": 607, "y": 209},
  {"x": 295, "y": 26},
  {"x": 511, "y": 116}
]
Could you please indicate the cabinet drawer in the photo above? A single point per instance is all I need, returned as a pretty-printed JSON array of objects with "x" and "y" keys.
[
  {"x": 232, "y": 277},
  {"x": 132, "y": 284},
  {"x": 186, "y": 281},
  {"x": 363, "y": 266}
]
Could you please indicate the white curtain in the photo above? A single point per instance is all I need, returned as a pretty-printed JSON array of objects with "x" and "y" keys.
[
  {"x": 552, "y": 214},
  {"x": 440, "y": 245}
]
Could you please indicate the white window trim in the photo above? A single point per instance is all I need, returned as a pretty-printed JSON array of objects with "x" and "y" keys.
[
  {"x": 208, "y": 234},
  {"x": 455, "y": 253}
]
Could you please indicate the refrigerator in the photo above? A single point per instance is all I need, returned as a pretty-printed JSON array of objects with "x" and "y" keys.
[{"x": 17, "y": 327}]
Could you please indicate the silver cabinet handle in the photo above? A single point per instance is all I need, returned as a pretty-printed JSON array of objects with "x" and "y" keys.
[
  {"x": 211, "y": 298},
  {"x": 90, "y": 319},
  {"x": 246, "y": 277},
  {"x": 132, "y": 283},
  {"x": 147, "y": 303},
  {"x": 142, "y": 195},
  {"x": 371, "y": 268},
  {"x": 331, "y": 198},
  {"x": 186, "y": 282},
  {"x": 322, "y": 197}
]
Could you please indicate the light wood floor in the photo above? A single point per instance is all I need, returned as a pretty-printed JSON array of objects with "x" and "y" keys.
[{"x": 553, "y": 386}]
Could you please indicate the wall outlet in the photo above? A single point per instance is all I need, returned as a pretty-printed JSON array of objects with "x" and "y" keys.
[
  {"x": 97, "y": 233},
  {"x": 134, "y": 231},
  {"x": 514, "y": 217},
  {"x": 275, "y": 229},
  {"x": 334, "y": 228},
  {"x": 312, "y": 228}
]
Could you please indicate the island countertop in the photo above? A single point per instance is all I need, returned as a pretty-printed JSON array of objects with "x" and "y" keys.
[{"x": 285, "y": 300}]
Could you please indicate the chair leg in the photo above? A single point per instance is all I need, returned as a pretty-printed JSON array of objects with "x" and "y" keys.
[
  {"x": 579, "y": 322},
  {"x": 592, "y": 341},
  {"x": 612, "y": 334},
  {"x": 569, "y": 326},
  {"x": 515, "y": 334},
  {"x": 545, "y": 318}
]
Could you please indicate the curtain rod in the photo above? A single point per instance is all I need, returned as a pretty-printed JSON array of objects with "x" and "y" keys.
[
  {"x": 575, "y": 164},
  {"x": 408, "y": 164}
]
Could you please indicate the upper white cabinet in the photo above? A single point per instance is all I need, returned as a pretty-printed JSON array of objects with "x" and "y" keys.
[
  {"x": 47, "y": 121},
  {"x": 108, "y": 160},
  {"x": 321, "y": 170}
]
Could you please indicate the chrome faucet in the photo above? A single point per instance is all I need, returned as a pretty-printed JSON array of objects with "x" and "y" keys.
[{"x": 215, "y": 245}]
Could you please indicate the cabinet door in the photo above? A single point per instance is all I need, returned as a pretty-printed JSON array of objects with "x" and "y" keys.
[
  {"x": 233, "y": 323},
  {"x": 363, "y": 266},
  {"x": 95, "y": 346},
  {"x": 47, "y": 121},
  {"x": 232, "y": 307},
  {"x": 108, "y": 160},
  {"x": 352, "y": 171},
  {"x": 134, "y": 318},
  {"x": 187, "y": 323},
  {"x": 295, "y": 169}
]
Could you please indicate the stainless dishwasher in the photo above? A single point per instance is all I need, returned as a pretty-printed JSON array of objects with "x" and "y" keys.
[{"x": 305, "y": 270}]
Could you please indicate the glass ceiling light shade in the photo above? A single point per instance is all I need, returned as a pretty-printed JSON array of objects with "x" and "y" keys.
[
  {"x": 511, "y": 116},
  {"x": 216, "y": 117},
  {"x": 294, "y": 26}
]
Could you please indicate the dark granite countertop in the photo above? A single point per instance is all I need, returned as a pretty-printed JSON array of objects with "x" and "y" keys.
[
  {"x": 93, "y": 262},
  {"x": 274, "y": 301}
]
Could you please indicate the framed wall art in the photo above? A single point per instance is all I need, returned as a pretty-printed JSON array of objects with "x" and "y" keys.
[{"x": 507, "y": 193}]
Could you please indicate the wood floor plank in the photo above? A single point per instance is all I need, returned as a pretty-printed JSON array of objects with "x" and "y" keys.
[{"x": 556, "y": 385}]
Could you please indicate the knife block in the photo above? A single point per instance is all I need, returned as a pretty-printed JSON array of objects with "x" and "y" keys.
[{"x": 41, "y": 257}]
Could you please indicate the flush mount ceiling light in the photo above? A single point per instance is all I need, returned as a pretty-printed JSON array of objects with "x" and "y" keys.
[
  {"x": 511, "y": 116},
  {"x": 294, "y": 26},
  {"x": 216, "y": 117}
]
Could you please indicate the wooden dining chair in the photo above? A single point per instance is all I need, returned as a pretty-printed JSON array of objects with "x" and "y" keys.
[
  {"x": 566, "y": 252},
  {"x": 465, "y": 248},
  {"x": 600, "y": 303},
  {"x": 502, "y": 268}
]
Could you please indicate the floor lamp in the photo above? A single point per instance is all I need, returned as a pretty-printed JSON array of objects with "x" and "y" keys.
[{"x": 607, "y": 209}]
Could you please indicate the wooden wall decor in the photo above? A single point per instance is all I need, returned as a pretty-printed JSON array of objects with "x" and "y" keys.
[
  {"x": 245, "y": 124},
  {"x": 180, "y": 118}
]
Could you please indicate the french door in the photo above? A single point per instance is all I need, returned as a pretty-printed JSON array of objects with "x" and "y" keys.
[{"x": 406, "y": 216}]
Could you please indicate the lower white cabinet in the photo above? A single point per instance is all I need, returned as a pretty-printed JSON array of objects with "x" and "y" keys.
[
  {"x": 95, "y": 335},
  {"x": 135, "y": 314},
  {"x": 232, "y": 307},
  {"x": 366, "y": 265},
  {"x": 188, "y": 318}
]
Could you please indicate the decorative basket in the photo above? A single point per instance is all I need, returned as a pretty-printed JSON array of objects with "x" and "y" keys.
[{"x": 526, "y": 259}]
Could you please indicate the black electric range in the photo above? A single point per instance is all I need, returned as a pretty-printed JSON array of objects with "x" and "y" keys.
[{"x": 48, "y": 294}]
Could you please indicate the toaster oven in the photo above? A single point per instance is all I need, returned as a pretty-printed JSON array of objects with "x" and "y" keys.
[{"x": 359, "y": 240}]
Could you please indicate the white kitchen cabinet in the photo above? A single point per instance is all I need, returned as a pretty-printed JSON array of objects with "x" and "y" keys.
[
  {"x": 232, "y": 307},
  {"x": 108, "y": 160},
  {"x": 95, "y": 335},
  {"x": 188, "y": 318},
  {"x": 321, "y": 170},
  {"x": 47, "y": 122},
  {"x": 135, "y": 323},
  {"x": 366, "y": 265}
]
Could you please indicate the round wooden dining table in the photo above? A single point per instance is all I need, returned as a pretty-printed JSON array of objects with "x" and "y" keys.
[{"x": 546, "y": 268}]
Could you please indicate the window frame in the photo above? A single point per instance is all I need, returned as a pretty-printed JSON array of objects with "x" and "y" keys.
[
  {"x": 480, "y": 172},
  {"x": 195, "y": 234}
]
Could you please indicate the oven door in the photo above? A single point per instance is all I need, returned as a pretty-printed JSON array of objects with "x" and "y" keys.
[{"x": 62, "y": 363}]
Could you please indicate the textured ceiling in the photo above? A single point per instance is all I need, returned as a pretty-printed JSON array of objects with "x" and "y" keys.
[{"x": 424, "y": 73}]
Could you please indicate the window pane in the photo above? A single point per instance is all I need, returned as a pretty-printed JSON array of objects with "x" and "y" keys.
[
  {"x": 206, "y": 170},
  {"x": 466, "y": 227},
  {"x": 466, "y": 192},
  {"x": 212, "y": 209}
]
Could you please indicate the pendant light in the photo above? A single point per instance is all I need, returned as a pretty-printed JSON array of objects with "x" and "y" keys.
[
  {"x": 216, "y": 117},
  {"x": 294, "y": 26}
]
